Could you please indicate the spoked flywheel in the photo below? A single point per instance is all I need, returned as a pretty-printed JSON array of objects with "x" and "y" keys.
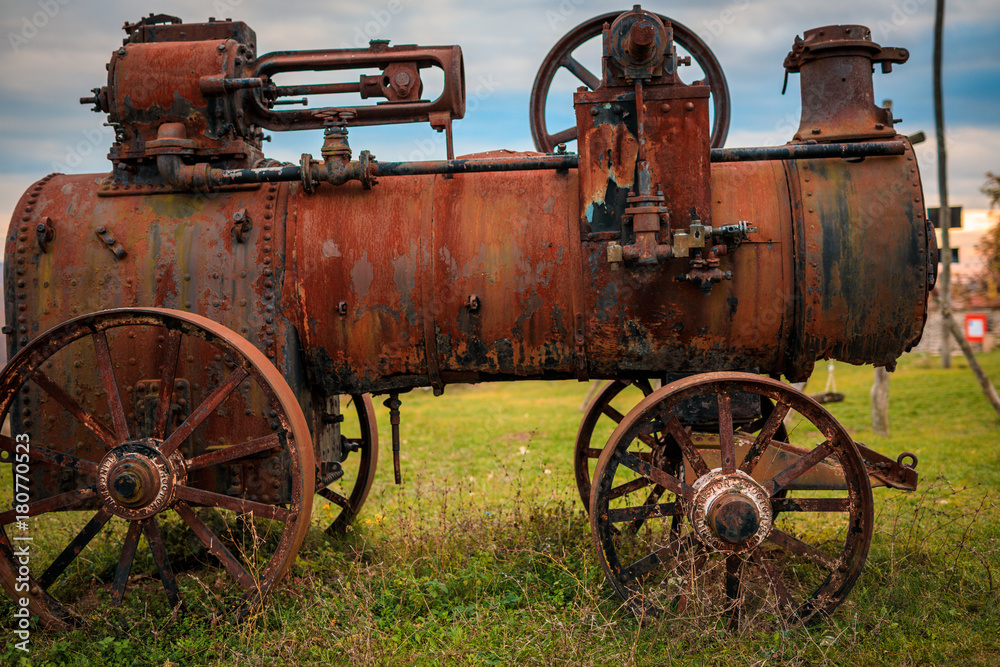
[
  {"x": 567, "y": 55},
  {"x": 151, "y": 425},
  {"x": 755, "y": 529}
]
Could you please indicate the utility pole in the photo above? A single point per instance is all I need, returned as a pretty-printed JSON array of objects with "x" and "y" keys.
[{"x": 944, "y": 213}]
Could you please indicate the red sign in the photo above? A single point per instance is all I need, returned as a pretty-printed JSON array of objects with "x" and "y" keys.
[{"x": 975, "y": 327}]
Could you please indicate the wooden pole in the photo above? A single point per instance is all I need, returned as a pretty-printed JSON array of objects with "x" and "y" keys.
[
  {"x": 984, "y": 381},
  {"x": 880, "y": 402},
  {"x": 944, "y": 213}
]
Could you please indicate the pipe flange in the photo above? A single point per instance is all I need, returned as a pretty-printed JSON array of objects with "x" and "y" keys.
[
  {"x": 730, "y": 512},
  {"x": 305, "y": 169}
]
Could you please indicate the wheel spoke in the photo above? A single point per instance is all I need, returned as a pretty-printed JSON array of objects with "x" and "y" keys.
[
  {"x": 609, "y": 411},
  {"x": 125, "y": 563},
  {"x": 73, "y": 549},
  {"x": 656, "y": 475},
  {"x": 628, "y": 487},
  {"x": 683, "y": 440},
  {"x": 152, "y": 532},
  {"x": 170, "y": 355},
  {"x": 234, "y": 452},
  {"x": 644, "y": 386},
  {"x": 580, "y": 72},
  {"x": 646, "y": 564},
  {"x": 780, "y": 591},
  {"x": 810, "y": 505},
  {"x": 111, "y": 386},
  {"x": 733, "y": 566},
  {"x": 651, "y": 499},
  {"x": 51, "y": 504},
  {"x": 202, "y": 412},
  {"x": 727, "y": 446},
  {"x": 215, "y": 545},
  {"x": 335, "y": 498},
  {"x": 569, "y": 134},
  {"x": 241, "y": 505},
  {"x": 643, "y": 512},
  {"x": 763, "y": 439},
  {"x": 807, "y": 551},
  {"x": 803, "y": 465},
  {"x": 50, "y": 456},
  {"x": 594, "y": 453},
  {"x": 82, "y": 415}
]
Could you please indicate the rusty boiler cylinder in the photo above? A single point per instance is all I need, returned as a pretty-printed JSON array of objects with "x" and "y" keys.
[{"x": 491, "y": 272}]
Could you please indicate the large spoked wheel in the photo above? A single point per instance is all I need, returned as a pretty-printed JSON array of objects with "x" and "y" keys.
[
  {"x": 562, "y": 57},
  {"x": 156, "y": 424},
  {"x": 359, "y": 444},
  {"x": 722, "y": 540}
]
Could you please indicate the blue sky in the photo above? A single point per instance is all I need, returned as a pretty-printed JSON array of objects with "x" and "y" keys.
[{"x": 53, "y": 51}]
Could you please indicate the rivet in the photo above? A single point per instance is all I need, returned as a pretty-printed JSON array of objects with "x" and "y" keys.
[
  {"x": 187, "y": 304},
  {"x": 267, "y": 237},
  {"x": 187, "y": 276},
  {"x": 267, "y": 216},
  {"x": 593, "y": 111},
  {"x": 267, "y": 248},
  {"x": 664, "y": 107},
  {"x": 29, "y": 209},
  {"x": 267, "y": 227},
  {"x": 268, "y": 272},
  {"x": 689, "y": 106}
]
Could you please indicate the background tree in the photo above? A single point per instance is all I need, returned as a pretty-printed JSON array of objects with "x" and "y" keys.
[{"x": 989, "y": 245}]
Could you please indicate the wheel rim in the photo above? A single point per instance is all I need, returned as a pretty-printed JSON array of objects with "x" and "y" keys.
[
  {"x": 128, "y": 462},
  {"x": 726, "y": 542},
  {"x": 600, "y": 414},
  {"x": 348, "y": 494},
  {"x": 561, "y": 56}
]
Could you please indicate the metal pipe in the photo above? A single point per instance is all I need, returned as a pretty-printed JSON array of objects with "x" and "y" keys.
[
  {"x": 183, "y": 176},
  {"x": 476, "y": 165},
  {"x": 810, "y": 151}
]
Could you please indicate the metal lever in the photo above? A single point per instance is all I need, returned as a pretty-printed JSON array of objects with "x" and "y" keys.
[{"x": 393, "y": 404}]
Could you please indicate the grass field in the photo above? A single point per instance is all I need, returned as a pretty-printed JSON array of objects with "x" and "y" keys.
[{"x": 484, "y": 555}]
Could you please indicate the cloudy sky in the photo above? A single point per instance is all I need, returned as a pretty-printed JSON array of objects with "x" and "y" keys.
[{"x": 54, "y": 51}]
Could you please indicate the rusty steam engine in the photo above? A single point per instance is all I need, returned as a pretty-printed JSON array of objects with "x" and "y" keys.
[{"x": 189, "y": 331}]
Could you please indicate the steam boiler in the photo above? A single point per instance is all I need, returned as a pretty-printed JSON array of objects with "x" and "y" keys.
[{"x": 189, "y": 331}]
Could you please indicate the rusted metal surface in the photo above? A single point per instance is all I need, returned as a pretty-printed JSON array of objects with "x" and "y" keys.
[
  {"x": 838, "y": 102},
  {"x": 652, "y": 252}
]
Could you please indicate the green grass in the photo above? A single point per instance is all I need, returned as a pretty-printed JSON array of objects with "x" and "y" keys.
[{"x": 484, "y": 555}]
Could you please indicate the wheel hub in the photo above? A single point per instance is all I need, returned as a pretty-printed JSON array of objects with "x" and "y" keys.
[
  {"x": 731, "y": 511},
  {"x": 135, "y": 481}
]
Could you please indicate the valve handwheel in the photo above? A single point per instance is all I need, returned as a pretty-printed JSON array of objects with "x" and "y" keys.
[{"x": 561, "y": 56}]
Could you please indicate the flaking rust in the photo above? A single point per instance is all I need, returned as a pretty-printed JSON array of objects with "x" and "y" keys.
[{"x": 652, "y": 252}]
